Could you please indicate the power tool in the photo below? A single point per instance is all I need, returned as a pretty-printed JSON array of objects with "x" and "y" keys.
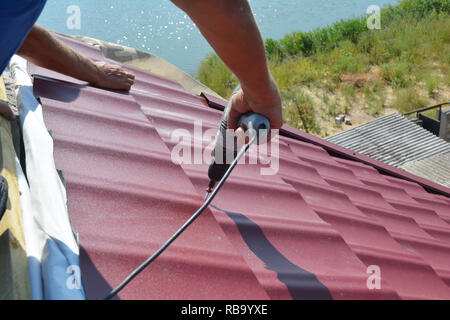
[{"x": 226, "y": 146}]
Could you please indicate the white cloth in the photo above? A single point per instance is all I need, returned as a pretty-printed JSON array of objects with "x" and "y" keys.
[{"x": 52, "y": 248}]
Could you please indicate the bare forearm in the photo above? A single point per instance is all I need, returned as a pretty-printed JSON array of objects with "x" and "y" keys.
[
  {"x": 43, "y": 49},
  {"x": 230, "y": 28}
]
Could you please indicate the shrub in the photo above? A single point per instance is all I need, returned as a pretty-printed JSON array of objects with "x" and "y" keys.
[
  {"x": 293, "y": 72},
  {"x": 216, "y": 75},
  {"x": 274, "y": 50},
  {"x": 300, "y": 111},
  {"x": 397, "y": 74},
  {"x": 297, "y": 43},
  {"x": 321, "y": 39},
  {"x": 348, "y": 30}
]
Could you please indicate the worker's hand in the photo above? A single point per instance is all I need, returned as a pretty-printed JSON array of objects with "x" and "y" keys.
[
  {"x": 6, "y": 112},
  {"x": 111, "y": 76},
  {"x": 267, "y": 103}
]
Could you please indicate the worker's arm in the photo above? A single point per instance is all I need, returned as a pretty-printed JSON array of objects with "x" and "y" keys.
[
  {"x": 43, "y": 49},
  {"x": 230, "y": 28}
]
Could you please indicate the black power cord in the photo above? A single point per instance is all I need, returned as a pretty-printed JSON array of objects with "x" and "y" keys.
[{"x": 208, "y": 201}]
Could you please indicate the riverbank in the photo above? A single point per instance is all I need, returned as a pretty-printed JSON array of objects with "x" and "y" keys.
[{"x": 348, "y": 69}]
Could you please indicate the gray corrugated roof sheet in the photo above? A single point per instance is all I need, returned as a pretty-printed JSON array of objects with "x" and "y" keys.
[
  {"x": 436, "y": 168},
  {"x": 392, "y": 139},
  {"x": 397, "y": 141}
]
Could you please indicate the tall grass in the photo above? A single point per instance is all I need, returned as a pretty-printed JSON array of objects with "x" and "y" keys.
[
  {"x": 431, "y": 84},
  {"x": 215, "y": 74},
  {"x": 300, "y": 111},
  {"x": 375, "y": 96},
  {"x": 408, "y": 100}
]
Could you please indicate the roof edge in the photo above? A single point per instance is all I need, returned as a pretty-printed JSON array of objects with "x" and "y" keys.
[
  {"x": 214, "y": 102},
  {"x": 341, "y": 152},
  {"x": 383, "y": 168}
]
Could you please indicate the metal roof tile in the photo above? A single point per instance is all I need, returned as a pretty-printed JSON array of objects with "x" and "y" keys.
[
  {"x": 126, "y": 197},
  {"x": 310, "y": 231}
]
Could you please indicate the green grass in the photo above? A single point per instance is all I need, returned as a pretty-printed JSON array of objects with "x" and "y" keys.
[
  {"x": 408, "y": 100},
  {"x": 300, "y": 111},
  {"x": 411, "y": 50},
  {"x": 215, "y": 74},
  {"x": 431, "y": 84},
  {"x": 398, "y": 74},
  {"x": 375, "y": 97}
]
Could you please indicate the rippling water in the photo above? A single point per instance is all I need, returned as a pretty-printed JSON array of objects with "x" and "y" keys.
[{"x": 157, "y": 26}]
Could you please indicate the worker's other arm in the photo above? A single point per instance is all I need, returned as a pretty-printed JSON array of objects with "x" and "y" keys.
[
  {"x": 230, "y": 28},
  {"x": 43, "y": 49}
]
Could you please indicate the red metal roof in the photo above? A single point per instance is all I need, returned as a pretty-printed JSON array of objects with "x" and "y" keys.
[{"x": 311, "y": 231}]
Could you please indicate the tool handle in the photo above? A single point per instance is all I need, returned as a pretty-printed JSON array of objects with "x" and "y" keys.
[
  {"x": 248, "y": 121},
  {"x": 224, "y": 153},
  {"x": 256, "y": 122}
]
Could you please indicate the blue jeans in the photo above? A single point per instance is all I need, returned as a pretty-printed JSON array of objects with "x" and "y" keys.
[{"x": 17, "y": 17}]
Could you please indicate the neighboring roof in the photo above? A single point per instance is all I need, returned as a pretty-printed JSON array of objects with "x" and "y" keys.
[
  {"x": 436, "y": 168},
  {"x": 310, "y": 231},
  {"x": 397, "y": 141},
  {"x": 392, "y": 139}
]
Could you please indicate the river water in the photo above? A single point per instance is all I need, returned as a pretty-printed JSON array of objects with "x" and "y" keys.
[{"x": 159, "y": 27}]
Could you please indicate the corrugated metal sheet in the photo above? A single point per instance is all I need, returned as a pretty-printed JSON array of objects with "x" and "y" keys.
[
  {"x": 311, "y": 231},
  {"x": 435, "y": 168},
  {"x": 397, "y": 141},
  {"x": 392, "y": 139}
]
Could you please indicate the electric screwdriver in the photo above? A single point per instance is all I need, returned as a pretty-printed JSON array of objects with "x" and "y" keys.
[{"x": 226, "y": 145}]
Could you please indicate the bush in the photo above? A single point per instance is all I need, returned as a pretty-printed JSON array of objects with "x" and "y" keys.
[
  {"x": 348, "y": 30},
  {"x": 293, "y": 72},
  {"x": 297, "y": 43},
  {"x": 397, "y": 74},
  {"x": 321, "y": 39},
  {"x": 274, "y": 50},
  {"x": 216, "y": 75},
  {"x": 300, "y": 111}
]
